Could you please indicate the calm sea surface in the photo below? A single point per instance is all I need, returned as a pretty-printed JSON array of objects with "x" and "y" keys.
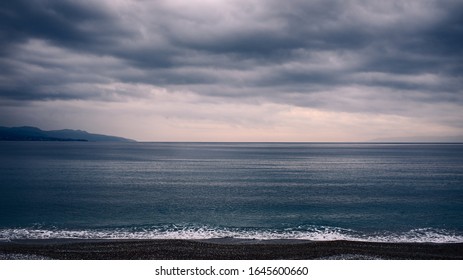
[{"x": 378, "y": 192}]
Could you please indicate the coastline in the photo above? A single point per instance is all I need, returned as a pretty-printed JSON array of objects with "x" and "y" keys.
[{"x": 223, "y": 249}]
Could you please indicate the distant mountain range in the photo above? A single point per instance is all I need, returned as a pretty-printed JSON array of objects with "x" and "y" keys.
[
  {"x": 28, "y": 133},
  {"x": 428, "y": 139}
]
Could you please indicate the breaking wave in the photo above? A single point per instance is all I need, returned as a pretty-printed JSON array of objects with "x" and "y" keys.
[{"x": 312, "y": 233}]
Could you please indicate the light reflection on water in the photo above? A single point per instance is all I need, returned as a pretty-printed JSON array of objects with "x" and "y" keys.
[{"x": 372, "y": 189}]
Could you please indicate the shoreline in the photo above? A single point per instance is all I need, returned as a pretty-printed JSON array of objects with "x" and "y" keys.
[{"x": 223, "y": 249}]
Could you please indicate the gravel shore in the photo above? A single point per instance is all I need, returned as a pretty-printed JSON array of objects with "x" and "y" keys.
[{"x": 224, "y": 249}]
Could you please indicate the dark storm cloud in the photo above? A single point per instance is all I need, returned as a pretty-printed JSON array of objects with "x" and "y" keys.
[
  {"x": 445, "y": 37},
  {"x": 299, "y": 52},
  {"x": 57, "y": 21}
]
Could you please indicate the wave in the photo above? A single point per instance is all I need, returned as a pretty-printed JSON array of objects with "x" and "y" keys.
[{"x": 310, "y": 233}]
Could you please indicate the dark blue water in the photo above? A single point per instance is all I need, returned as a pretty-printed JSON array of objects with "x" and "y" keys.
[{"x": 383, "y": 192}]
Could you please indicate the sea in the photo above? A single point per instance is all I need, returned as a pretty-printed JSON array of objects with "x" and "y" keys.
[{"x": 382, "y": 192}]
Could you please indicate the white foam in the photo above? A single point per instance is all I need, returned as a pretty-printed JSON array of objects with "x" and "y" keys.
[
  {"x": 419, "y": 235},
  {"x": 204, "y": 232}
]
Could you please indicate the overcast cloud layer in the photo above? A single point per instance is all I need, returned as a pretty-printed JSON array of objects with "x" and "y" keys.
[{"x": 242, "y": 70}]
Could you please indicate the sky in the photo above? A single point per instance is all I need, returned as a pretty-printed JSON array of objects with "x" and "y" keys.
[{"x": 235, "y": 70}]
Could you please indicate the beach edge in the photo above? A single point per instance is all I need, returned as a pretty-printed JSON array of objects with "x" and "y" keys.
[{"x": 223, "y": 249}]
